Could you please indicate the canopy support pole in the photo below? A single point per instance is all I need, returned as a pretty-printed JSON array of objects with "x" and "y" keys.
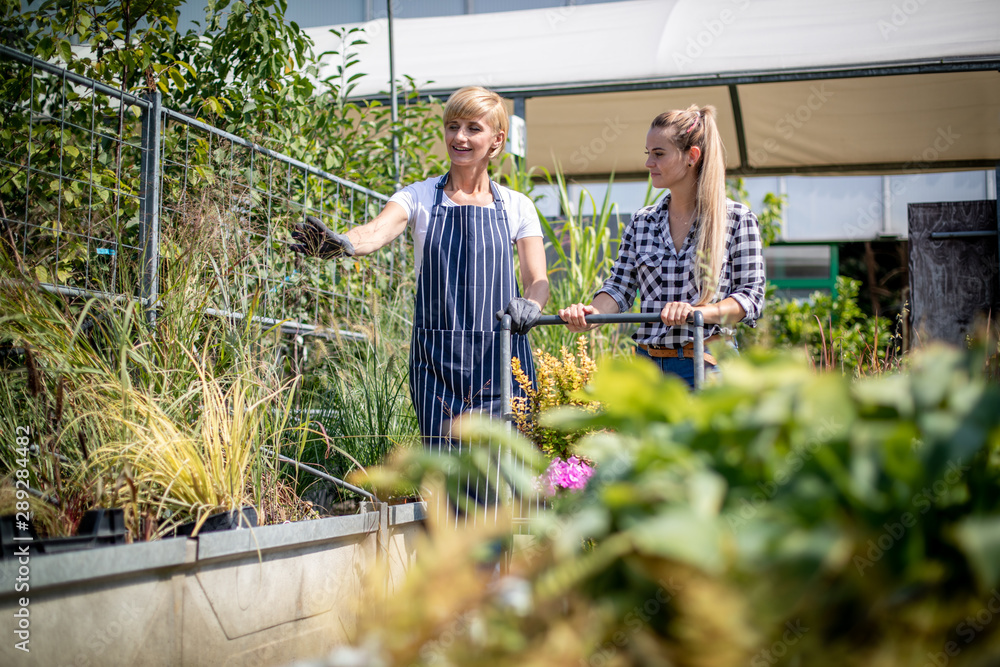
[
  {"x": 741, "y": 137},
  {"x": 394, "y": 109},
  {"x": 519, "y": 104}
]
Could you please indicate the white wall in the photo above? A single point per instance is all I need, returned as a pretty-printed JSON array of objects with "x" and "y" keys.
[{"x": 822, "y": 208}]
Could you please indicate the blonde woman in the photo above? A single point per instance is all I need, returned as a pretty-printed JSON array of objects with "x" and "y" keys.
[
  {"x": 465, "y": 229},
  {"x": 693, "y": 250}
]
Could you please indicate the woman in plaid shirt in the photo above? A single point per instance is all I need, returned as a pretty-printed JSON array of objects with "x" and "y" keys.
[{"x": 693, "y": 250}]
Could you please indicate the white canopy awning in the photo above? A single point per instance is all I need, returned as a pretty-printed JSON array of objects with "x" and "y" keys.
[{"x": 812, "y": 86}]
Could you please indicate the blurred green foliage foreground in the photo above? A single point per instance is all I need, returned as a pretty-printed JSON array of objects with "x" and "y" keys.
[{"x": 780, "y": 516}]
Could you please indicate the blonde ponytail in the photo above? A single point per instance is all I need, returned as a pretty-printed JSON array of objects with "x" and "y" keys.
[{"x": 696, "y": 126}]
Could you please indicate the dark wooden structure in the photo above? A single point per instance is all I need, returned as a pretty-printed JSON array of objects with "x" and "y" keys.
[{"x": 953, "y": 268}]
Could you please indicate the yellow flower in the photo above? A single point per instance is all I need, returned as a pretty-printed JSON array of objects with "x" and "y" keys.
[{"x": 557, "y": 379}]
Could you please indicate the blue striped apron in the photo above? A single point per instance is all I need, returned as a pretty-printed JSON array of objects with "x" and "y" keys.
[{"x": 466, "y": 276}]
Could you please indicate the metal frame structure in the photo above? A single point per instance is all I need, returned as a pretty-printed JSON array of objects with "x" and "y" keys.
[
  {"x": 506, "y": 386},
  {"x": 734, "y": 79},
  {"x": 731, "y": 80}
]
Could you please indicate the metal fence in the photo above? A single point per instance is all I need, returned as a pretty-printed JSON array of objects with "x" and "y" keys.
[{"x": 99, "y": 187}]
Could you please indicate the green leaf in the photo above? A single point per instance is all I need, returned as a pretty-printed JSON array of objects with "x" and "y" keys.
[
  {"x": 178, "y": 80},
  {"x": 66, "y": 51},
  {"x": 706, "y": 493},
  {"x": 634, "y": 388},
  {"x": 979, "y": 540},
  {"x": 892, "y": 392},
  {"x": 682, "y": 535}
]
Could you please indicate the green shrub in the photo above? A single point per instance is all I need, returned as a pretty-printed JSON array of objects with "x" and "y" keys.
[
  {"x": 867, "y": 511},
  {"x": 356, "y": 407},
  {"x": 779, "y": 513},
  {"x": 833, "y": 331}
]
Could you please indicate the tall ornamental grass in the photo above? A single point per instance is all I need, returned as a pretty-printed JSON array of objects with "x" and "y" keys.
[
  {"x": 355, "y": 402},
  {"x": 171, "y": 419}
]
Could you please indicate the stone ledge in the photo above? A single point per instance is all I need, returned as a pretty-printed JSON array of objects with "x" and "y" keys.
[
  {"x": 71, "y": 567},
  {"x": 229, "y": 543}
]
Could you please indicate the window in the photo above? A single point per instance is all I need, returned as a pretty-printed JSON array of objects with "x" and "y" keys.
[{"x": 798, "y": 270}]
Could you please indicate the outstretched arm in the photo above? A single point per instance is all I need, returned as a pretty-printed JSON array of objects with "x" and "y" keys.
[
  {"x": 316, "y": 239},
  {"x": 379, "y": 231}
]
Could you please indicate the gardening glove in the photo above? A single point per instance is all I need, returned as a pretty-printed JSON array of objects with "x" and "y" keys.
[
  {"x": 523, "y": 315},
  {"x": 314, "y": 238}
]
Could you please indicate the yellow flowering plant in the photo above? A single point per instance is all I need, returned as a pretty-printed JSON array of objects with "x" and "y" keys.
[{"x": 557, "y": 380}]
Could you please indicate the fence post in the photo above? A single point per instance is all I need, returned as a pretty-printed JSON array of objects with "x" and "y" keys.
[
  {"x": 382, "y": 545},
  {"x": 149, "y": 204}
]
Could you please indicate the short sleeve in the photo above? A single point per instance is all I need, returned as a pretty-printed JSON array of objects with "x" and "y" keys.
[
  {"x": 526, "y": 223},
  {"x": 409, "y": 199}
]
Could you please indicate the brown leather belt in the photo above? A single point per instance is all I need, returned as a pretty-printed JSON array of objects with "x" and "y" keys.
[{"x": 686, "y": 352}]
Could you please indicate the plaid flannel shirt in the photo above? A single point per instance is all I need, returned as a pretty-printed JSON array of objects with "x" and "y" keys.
[{"x": 648, "y": 263}]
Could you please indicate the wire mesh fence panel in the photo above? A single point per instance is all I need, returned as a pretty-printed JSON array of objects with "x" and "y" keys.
[
  {"x": 69, "y": 178},
  {"x": 245, "y": 200},
  {"x": 95, "y": 180}
]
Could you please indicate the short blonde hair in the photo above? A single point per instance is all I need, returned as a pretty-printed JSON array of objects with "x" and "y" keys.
[{"x": 475, "y": 101}]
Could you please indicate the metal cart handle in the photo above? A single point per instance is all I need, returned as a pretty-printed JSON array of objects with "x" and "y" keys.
[{"x": 697, "y": 319}]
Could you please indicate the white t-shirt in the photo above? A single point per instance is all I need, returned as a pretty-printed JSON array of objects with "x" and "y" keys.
[{"x": 417, "y": 200}]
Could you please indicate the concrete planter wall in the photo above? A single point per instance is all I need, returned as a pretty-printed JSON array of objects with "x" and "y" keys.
[{"x": 263, "y": 596}]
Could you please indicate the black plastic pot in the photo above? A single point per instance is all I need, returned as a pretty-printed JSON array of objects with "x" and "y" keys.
[
  {"x": 99, "y": 527},
  {"x": 14, "y": 534},
  {"x": 231, "y": 520}
]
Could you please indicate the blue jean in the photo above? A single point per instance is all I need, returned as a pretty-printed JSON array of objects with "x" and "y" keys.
[{"x": 682, "y": 368}]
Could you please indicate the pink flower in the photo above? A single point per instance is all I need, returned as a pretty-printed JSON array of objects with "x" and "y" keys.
[{"x": 570, "y": 474}]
